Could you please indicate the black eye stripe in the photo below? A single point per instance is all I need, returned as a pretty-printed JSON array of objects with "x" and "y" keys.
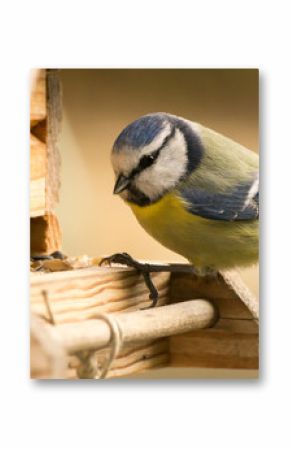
[
  {"x": 148, "y": 159},
  {"x": 145, "y": 162}
]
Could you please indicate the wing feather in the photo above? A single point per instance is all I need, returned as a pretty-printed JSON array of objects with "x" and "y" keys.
[{"x": 236, "y": 204}]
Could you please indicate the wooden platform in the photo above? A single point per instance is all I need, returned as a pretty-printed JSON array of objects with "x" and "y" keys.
[{"x": 78, "y": 295}]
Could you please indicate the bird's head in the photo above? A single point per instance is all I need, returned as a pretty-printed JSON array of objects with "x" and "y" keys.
[{"x": 152, "y": 155}]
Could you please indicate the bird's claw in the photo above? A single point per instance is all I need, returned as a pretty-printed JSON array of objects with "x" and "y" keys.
[
  {"x": 122, "y": 259},
  {"x": 143, "y": 268}
]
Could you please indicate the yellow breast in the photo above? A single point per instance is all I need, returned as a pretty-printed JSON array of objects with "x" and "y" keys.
[{"x": 203, "y": 242}]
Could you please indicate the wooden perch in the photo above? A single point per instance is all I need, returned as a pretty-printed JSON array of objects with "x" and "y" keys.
[{"x": 139, "y": 326}]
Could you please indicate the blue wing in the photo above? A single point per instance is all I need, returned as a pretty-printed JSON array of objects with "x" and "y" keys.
[{"x": 238, "y": 204}]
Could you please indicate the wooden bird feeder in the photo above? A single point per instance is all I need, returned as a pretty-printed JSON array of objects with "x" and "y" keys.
[{"x": 87, "y": 318}]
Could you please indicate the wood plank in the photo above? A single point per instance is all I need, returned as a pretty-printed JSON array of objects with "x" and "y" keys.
[
  {"x": 234, "y": 282},
  {"x": 44, "y": 155},
  {"x": 79, "y": 294},
  {"x": 140, "y": 352},
  {"x": 38, "y": 159},
  {"x": 227, "y": 346},
  {"x": 45, "y": 235},
  {"x": 153, "y": 354},
  {"x": 189, "y": 286},
  {"x": 244, "y": 326},
  {"x": 233, "y": 341},
  {"x": 40, "y": 130},
  {"x": 38, "y": 97},
  {"x": 54, "y": 114},
  {"x": 37, "y": 197},
  {"x": 156, "y": 361}
]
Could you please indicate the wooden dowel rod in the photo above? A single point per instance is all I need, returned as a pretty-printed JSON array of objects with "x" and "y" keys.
[{"x": 138, "y": 326}]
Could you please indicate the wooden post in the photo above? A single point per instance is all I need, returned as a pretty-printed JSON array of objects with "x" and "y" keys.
[{"x": 45, "y": 118}]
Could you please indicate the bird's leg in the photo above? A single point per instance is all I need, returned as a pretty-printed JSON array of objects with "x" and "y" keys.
[{"x": 144, "y": 268}]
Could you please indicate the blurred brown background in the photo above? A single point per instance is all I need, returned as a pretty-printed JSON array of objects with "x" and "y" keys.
[{"x": 98, "y": 104}]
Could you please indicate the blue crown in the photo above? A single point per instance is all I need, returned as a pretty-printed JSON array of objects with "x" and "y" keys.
[{"x": 141, "y": 132}]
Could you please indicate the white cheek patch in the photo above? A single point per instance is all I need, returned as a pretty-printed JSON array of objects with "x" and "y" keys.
[
  {"x": 124, "y": 161},
  {"x": 165, "y": 173}
]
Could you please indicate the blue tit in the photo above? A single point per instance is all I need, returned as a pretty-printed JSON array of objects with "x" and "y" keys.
[{"x": 192, "y": 189}]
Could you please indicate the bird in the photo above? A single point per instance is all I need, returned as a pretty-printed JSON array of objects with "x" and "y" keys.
[{"x": 191, "y": 188}]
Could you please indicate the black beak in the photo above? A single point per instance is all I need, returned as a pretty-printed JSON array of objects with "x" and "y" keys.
[{"x": 121, "y": 184}]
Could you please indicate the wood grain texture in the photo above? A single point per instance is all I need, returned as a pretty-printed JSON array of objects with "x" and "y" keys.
[
  {"x": 37, "y": 158},
  {"x": 234, "y": 340},
  {"x": 54, "y": 115},
  {"x": 132, "y": 359},
  {"x": 38, "y": 97},
  {"x": 45, "y": 118},
  {"x": 38, "y": 147},
  {"x": 40, "y": 130},
  {"x": 215, "y": 348},
  {"x": 189, "y": 286},
  {"x": 37, "y": 197},
  {"x": 77, "y": 295},
  {"x": 234, "y": 282},
  {"x": 37, "y": 176},
  {"x": 45, "y": 122}
]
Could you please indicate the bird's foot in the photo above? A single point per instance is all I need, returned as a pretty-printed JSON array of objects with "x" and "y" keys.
[{"x": 143, "y": 268}]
